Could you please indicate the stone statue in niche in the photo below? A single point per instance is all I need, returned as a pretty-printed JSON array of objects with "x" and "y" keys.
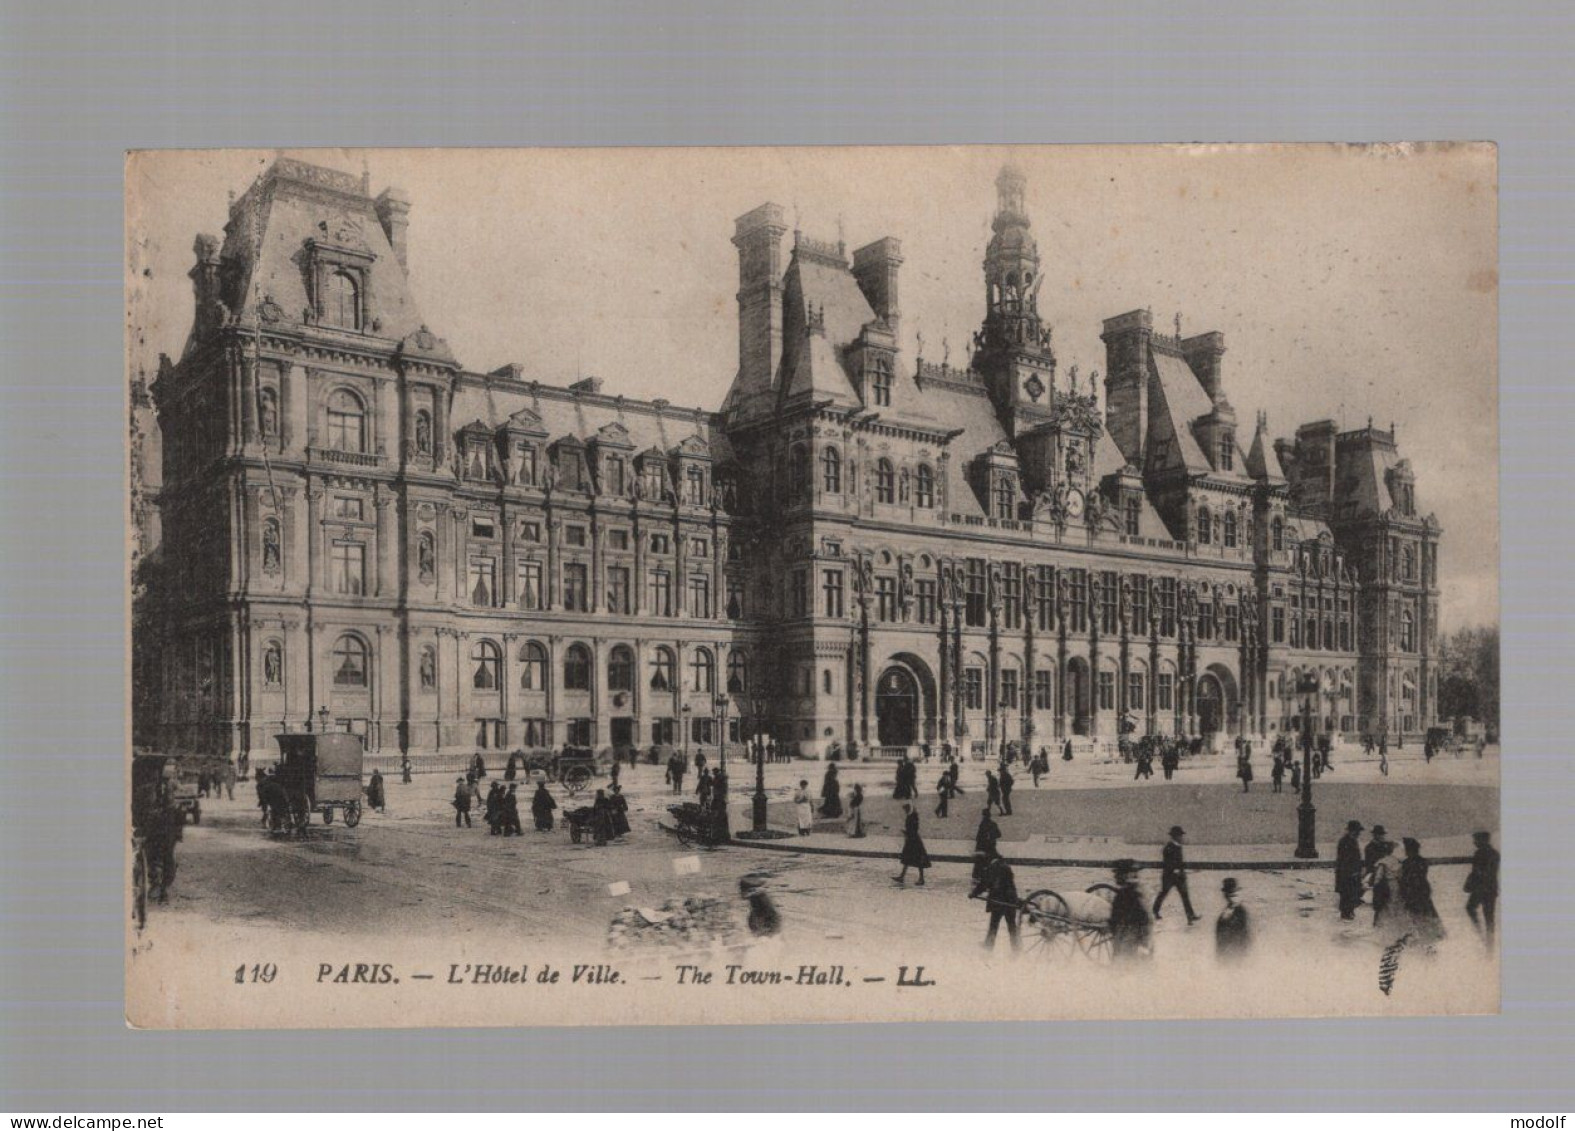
[
  {"x": 428, "y": 669},
  {"x": 270, "y": 547},
  {"x": 426, "y": 558},
  {"x": 423, "y": 433},
  {"x": 270, "y": 416},
  {"x": 273, "y": 666}
]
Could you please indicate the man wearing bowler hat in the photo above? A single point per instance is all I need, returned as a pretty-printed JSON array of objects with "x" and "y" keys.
[
  {"x": 1173, "y": 874},
  {"x": 1348, "y": 870},
  {"x": 1376, "y": 848}
]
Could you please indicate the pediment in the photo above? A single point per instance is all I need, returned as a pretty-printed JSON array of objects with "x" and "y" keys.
[
  {"x": 613, "y": 435},
  {"x": 526, "y": 420}
]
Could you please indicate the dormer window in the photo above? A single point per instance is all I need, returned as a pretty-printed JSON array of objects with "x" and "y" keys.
[
  {"x": 1228, "y": 528},
  {"x": 654, "y": 483},
  {"x": 831, "y": 471},
  {"x": 880, "y": 381},
  {"x": 694, "y": 487},
  {"x": 1205, "y": 528},
  {"x": 924, "y": 489},
  {"x": 1005, "y": 497},
  {"x": 615, "y": 482},
  {"x": 1227, "y": 461},
  {"x": 525, "y": 457},
  {"x": 342, "y": 301},
  {"x": 1132, "y": 512},
  {"x": 885, "y": 482}
]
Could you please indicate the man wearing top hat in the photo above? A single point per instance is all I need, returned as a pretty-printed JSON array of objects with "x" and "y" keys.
[
  {"x": 1348, "y": 868},
  {"x": 1232, "y": 930},
  {"x": 1173, "y": 874},
  {"x": 1377, "y": 846}
]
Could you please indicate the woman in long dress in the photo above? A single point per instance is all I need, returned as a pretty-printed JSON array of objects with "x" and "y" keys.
[
  {"x": 1416, "y": 894},
  {"x": 801, "y": 808},
  {"x": 831, "y": 794},
  {"x": 856, "y": 812},
  {"x": 913, "y": 851},
  {"x": 541, "y": 807}
]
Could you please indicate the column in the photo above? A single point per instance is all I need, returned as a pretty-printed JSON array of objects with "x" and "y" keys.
[
  {"x": 386, "y": 585},
  {"x": 1060, "y": 682},
  {"x": 947, "y": 678}
]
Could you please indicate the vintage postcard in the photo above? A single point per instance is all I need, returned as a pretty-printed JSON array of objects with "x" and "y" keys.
[{"x": 768, "y": 585}]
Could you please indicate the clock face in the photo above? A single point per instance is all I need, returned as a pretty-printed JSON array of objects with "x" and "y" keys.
[{"x": 1074, "y": 504}]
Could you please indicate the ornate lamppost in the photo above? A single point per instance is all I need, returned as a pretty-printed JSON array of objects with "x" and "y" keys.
[
  {"x": 721, "y": 704},
  {"x": 758, "y": 821},
  {"x": 1306, "y": 815},
  {"x": 683, "y": 713}
]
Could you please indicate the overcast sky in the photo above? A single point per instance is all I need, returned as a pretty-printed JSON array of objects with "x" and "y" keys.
[{"x": 1347, "y": 282}]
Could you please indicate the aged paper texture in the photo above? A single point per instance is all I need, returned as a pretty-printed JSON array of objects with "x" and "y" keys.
[{"x": 743, "y": 585}]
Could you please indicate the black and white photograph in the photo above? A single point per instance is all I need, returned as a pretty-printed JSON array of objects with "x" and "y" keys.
[{"x": 739, "y": 585}]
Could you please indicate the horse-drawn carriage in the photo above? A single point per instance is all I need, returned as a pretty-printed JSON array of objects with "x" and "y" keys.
[
  {"x": 573, "y": 767},
  {"x": 316, "y": 773}
]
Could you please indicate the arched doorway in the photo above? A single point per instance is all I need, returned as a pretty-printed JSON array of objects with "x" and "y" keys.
[
  {"x": 1211, "y": 705},
  {"x": 1077, "y": 694},
  {"x": 897, "y": 708}
]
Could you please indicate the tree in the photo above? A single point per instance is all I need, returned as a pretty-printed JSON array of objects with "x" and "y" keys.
[{"x": 1468, "y": 683}]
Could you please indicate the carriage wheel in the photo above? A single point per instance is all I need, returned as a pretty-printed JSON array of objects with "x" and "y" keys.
[
  {"x": 352, "y": 814},
  {"x": 139, "y": 888},
  {"x": 1048, "y": 919},
  {"x": 576, "y": 778},
  {"x": 1096, "y": 945}
]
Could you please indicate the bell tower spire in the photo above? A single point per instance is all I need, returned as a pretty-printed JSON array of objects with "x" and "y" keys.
[{"x": 1013, "y": 347}]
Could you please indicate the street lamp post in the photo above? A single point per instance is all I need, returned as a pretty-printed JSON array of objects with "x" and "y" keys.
[
  {"x": 758, "y": 821},
  {"x": 721, "y": 705},
  {"x": 1306, "y": 815},
  {"x": 683, "y": 721}
]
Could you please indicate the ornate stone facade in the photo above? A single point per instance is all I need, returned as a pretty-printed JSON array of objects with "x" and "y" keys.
[{"x": 856, "y": 549}]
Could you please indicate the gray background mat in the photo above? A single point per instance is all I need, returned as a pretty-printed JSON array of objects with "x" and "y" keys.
[{"x": 79, "y": 83}]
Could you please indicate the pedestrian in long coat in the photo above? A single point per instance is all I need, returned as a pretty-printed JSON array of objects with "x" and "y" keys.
[
  {"x": 404, "y": 770},
  {"x": 620, "y": 811},
  {"x": 1244, "y": 771},
  {"x": 461, "y": 802},
  {"x": 1378, "y": 847},
  {"x": 1482, "y": 886},
  {"x": 985, "y": 839},
  {"x": 374, "y": 792},
  {"x": 509, "y": 805},
  {"x": 1170, "y": 759},
  {"x": 1007, "y": 781},
  {"x": 992, "y": 791},
  {"x": 601, "y": 819},
  {"x": 541, "y": 807},
  {"x": 831, "y": 793},
  {"x": 676, "y": 771},
  {"x": 903, "y": 789},
  {"x": 493, "y": 812},
  {"x": 511, "y": 770},
  {"x": 801, "y": 809},
  {"x": 1066, "y": 751},
  {"x": 914, "y": 854},
  {"x": 1038, "y": 766},
  {"x": 1348, "y": 870},
  {"x": 855, "y": 823},
  {"x": 1130, "y": 926},
  {"x": 1416, "y": 893},
  {"x": 944, "y": 787},
  {"x": 1296, "y": 775},
  {"x": 1277, "y": 772},
  {"x": 998, "y": 887},
  {"x": 1232, "y": 930},
  {"x": 703, "y": 788}
]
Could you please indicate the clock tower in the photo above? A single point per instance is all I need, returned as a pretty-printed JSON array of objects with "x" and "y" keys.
[{"x": 1012, "y": 349}]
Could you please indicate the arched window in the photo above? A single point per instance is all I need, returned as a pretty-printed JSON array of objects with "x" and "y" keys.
[
  {"x": 1205, "y": 530},
  {"x": 831, "y": 471},
  {"x": 663, "y": 670},
  {"x": 737, "y": 672},
  {"x": 346, "y": 422},
  {"x": 1005, "y": 497},
  {"x": 1228, "y": 528},
  {"x": 885, "y": 482},
  {"x": 342, "y": 305},
  {"x": 620, "y": 669},
  {"x": 924, "y": 489},
  {"x": 533, "y": 667},
  {"x": 487, "y": 666},
  {"x": 577, "y": 668},
  {"x": 702, "y": 671},
  {"x": 1278, "y": 535},
  {"x": 352, "y": 664},
  {"x": 694, "y": 479},
  {"x": 1408, "y": 564}
]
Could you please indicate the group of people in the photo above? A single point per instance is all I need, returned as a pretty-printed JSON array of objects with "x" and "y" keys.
[
  {"x": 1400, "y": 891},
  {"x": 830, "y": 805},
  {"x": 214, "y": 780},
  {"x": 1166, "y": 748}
]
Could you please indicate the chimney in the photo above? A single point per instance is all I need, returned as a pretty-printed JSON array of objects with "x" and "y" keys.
[
  {"x": 1126, "y": 338},
  {"x": 393, "y": 212},
  {"x": 1203, "y": 353},
  {"x": 758, "y": 237},
  {"x": 875, "y": 268}
]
